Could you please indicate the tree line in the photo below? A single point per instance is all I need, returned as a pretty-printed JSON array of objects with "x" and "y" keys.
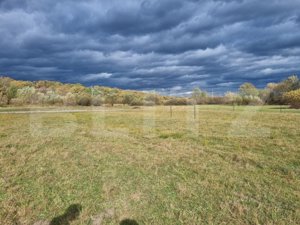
[
  {"x": 16, "y": 92},
  {"x": 286, "y": 92}
]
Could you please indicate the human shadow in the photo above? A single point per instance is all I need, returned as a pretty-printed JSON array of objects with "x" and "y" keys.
[
  {"x": 72, "y": 213},
  {"x": 128, "y": 222}
]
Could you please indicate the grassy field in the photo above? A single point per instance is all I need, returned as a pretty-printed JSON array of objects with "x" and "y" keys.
[{"x": 222, "y": 167}]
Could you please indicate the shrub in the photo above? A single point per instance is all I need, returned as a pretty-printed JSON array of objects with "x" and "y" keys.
[
  {"x": 199, "y": 96},
  {"x": 52, "y": 98},
  {"x": 128, "y": 99},
  {"x": 27, "y": 95},
  {"x": 112, "y": 97},
  {"x": 16, "y": 101},
  {"x": 84, "y": 100},
  {"x": 248, "y": 89},
  {"x": 293, "y": 98},
  {"x": 152, "y": 99},
  {"x": 11, "y": 93},
  {"x": 136, "y": 101},
  {"x": 216, "y": 100},
  {"x": 3, "y": 99},
  {"x": 69, "y": 99},
  {"x": 252, "y": 100},
  {"x": 177, "y": 101},
  {"x": 97, "y": 100},
  {"x": 232, "y": 98},
  {"x": 149, "y": 103}
]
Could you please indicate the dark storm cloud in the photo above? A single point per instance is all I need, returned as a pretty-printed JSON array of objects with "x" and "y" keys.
[{"x": 165, "y": 45}]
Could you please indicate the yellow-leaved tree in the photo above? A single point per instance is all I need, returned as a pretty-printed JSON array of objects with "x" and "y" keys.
[{"x": 293, "y": 98}]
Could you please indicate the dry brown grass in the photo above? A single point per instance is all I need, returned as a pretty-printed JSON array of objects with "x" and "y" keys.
[{"x": 225, "y": 167}]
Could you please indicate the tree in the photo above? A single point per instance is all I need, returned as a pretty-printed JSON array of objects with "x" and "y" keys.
[
  {"x": 8, "y": 91},
  {"x": 247, "y": 90},
  {"x": 277, "y": 91},
  {"x": 152, "y": 99},
  {"x": 292, "y": 83},
  {"x": 293, "y": 98},
  {"x": 112, "y": 97},
  {"x": 231, "y": 98},
  {"x": 26, "y": 94},
  {"x": 11, "y": 93},
  {"x": 51, "y": 97},
  {"x": 264, "y": 95},
  {"x": 69, "y": 99},
  {"x": 178, "y": 101},
  {"x": 3, "y": 99},
  {"x": 97, "y": 100},
  {"x": 137, "y": 100},
  {"x": 198, "y": 96},
  {"x": 84, "y": 99},
  {"x": 128, "y": 99},
  {"x": 77, "y": 88}
]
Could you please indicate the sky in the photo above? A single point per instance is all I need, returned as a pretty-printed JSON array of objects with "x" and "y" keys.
[{"x": 168, "y": 46}]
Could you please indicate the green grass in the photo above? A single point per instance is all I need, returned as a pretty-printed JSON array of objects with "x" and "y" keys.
[{"x": 224, "y": 167}]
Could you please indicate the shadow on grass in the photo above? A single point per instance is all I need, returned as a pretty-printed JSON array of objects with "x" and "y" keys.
[
  {"x": 72, "y": 213},
  {"x": 128, "y": 222},
  {"x": 280, "y": 107}
]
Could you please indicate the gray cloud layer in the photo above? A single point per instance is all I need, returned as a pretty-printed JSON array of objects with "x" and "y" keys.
[{"x": 159, "y": 45}]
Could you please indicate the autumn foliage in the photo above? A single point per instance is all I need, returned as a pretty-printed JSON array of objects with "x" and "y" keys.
[{"x": 293, "y": 98}]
